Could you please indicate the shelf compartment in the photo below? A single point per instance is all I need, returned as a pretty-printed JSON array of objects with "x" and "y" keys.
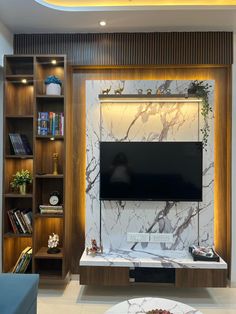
[
  {"x": 11, "y": 167},
  {"x": 44, "y": 68},
  {"x": 12, "y": 247},
  {"x": 44, "y": 187},
  {"x": 45, "y": 227},
  {"x": 19, "y": 98},
  {"x": 48, "y": 268},
  {"x": 21, "y": 126},
  {"x": 42, "y": 253},
  {"x": 19, "y": 65},
  {"x": 44, "y": 153}
]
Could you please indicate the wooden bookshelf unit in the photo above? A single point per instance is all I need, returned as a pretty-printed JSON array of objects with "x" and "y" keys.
[{"x": 24, "y": 99}]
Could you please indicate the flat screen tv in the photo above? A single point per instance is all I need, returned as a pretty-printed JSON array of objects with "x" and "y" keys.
[{"x": 160, "y": 171}]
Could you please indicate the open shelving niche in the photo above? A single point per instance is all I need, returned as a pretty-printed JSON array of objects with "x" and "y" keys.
[{"x": 22, "y": 102}]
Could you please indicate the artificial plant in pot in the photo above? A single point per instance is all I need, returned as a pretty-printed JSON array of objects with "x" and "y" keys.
[
  {"x": 202, "y": 90},
  {"x": 53, "y": 85},
  {"x": 20, "y": 180}
]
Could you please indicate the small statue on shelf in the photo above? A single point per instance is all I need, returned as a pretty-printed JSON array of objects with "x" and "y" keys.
[
  {"x": 94, "y": 249},
  {"x": 140, "y": 91},
  {"x": 119, "y": 90},
  {"x": 55, "y": 163},
  {"x": 149, "y": 92},
  {"x": 53, "y": 242},
  {"x": 106, "y": 91}
]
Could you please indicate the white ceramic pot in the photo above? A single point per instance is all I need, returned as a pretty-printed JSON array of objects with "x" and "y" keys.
[{"x": 53, "y": 89}]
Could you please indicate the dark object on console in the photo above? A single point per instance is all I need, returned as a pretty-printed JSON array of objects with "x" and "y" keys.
[{"x": 205, "y": 254}]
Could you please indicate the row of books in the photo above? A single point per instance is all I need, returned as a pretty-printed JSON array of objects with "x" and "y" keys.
[
  {"x": 20, "y": 144},
  {"x": 23, "y": 261},
  {"x": 21, "y": 220},
  {"x": 48, "y": 209},
  {"x": 50, "y": 123}
]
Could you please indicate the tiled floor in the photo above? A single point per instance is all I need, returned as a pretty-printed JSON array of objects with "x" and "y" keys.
[{"x": 76, "y": 299}]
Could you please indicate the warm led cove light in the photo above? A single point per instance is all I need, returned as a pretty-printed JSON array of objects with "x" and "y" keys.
[
  {"x": 54, "y": 61},
  {"x": 52, "y": 138},
  {"x": 103, "y": 23},
  {"x": 24, "y": 81}
]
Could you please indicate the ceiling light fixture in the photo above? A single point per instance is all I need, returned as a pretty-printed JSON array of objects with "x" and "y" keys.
[{"x": 103, "y": 23}]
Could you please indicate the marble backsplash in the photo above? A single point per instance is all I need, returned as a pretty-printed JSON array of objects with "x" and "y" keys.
[{"x": 189, "y": 222}]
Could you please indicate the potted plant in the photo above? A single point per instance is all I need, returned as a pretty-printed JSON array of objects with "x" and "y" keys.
[
  {"x": 20, "y": 180},
  {"x": 202, "y": 90},
  {"x": 53, "y": 85}
]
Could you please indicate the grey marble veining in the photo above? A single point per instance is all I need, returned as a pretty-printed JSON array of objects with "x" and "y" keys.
[{"x": 190, "y": 222}]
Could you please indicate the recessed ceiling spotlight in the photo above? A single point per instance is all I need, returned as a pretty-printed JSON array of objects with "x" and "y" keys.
[
  {"x": 103, "y": 23},
  {"x": 24, "y": 81},
  {"x": 54, "y": 61}
]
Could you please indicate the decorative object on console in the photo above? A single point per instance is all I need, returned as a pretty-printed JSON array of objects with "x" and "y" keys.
[
  {"x": 201, "y": 253},
  {"x": 119, "y": 90},
  {"x": 149, "y": 92},
  {"x": 94, "y": 249},
  {"x": 53, "y": 242},
  {"x": 53, "y": 85},
  {"x": 20, "y": 180},
  {"x": 55, "y": 163},
  {"x": 106, "y": 91},
  {"x": 201, "y": 90},
  {"x": 140, "y": 91}
]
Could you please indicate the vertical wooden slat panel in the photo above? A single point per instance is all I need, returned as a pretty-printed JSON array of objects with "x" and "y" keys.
[{"x": 132, "y": 48}]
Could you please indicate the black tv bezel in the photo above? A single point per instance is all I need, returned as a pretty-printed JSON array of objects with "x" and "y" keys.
[{"x": 150, "y": 199}]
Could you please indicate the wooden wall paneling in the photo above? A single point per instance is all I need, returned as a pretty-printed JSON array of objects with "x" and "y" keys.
[
  {"x": 132, "y": 48},
  {"x": 198, "y": 278},
  {"x": 222, "y": 142},
  {"x": 104, "y": 276}
]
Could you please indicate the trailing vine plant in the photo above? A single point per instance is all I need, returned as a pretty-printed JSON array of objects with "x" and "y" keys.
[{"x": 201, "y": 90}]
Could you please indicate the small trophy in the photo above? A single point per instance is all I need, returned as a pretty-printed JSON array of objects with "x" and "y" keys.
[{"x": 55, "y": 163}]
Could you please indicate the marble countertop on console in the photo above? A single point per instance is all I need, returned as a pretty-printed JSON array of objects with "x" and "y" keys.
[
  {"x": 142, "y": 305},
  {"x": 161, "y": 259}
]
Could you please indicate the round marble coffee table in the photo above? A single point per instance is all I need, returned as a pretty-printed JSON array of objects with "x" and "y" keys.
[{"x": 143, "y": 305}]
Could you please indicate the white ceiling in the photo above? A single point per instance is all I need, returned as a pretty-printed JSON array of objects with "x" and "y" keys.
[{"x": 27, "y": 16}]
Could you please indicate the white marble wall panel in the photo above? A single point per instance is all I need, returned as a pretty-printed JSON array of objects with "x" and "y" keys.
[{"x": 146, "y": 122}]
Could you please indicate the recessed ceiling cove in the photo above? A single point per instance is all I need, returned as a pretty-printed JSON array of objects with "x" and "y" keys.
[{"x": 82, "y": 5}]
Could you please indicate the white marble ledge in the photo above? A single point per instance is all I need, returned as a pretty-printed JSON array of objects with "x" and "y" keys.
[{"x": 159, "y": 259}]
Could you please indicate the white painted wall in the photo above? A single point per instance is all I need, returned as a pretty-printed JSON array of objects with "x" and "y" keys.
[
  {"x": 6, "y": 47},
  {"x": 233, "y": 223}
]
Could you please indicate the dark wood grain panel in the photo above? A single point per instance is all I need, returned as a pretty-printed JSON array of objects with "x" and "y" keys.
[
  {"x": 132, "y": 48},
  {"x": 197, "y": 278},
  {"x": 104, "y": 276}
]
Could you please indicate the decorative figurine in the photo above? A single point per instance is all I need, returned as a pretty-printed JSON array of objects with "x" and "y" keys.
[
  {"x": 53, "y": 242},
  {"x": 94, "y": 249},
  {"x": 55, "y": 163},
  {"x": 106, "y": 91},
  {"x": 149, "y": 91},
  {"x": 140, "y": 91},
  {"x": 119, "y": 90}
]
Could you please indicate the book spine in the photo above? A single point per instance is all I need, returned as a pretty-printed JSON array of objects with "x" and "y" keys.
[
  {"x": 39, "y": 123},
  {"x": 44, "y": 123},
  {"x": 53, "y": 124},
  {"x": 26, "y": 144},
  {"x": 13, "y": 143},
  {"x": 13, "y": 224},
  {"x": 62, "y": 124},
  {"x": 26, "y": 226},
  {"x": 50, "y": 122},
  {"x": 19, "y": 221}
]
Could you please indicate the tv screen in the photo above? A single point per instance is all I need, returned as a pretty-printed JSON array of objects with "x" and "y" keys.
[{"x": 161, "y": 171}]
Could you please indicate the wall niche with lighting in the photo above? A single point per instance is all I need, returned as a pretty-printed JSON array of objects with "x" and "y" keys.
[{"x": 35, "y": 140}]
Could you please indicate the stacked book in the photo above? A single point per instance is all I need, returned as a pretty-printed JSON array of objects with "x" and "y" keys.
[
  {"x": 48, "y": 209},
  {"x": 21, "y": 220},
  {"x": 23, "y": 261},
  {"x": 50, "y": 123},
  {"x": 20, "y": 144}
]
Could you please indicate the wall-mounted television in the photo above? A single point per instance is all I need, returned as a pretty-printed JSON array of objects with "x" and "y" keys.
[{"x": 160, "y": 171}]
